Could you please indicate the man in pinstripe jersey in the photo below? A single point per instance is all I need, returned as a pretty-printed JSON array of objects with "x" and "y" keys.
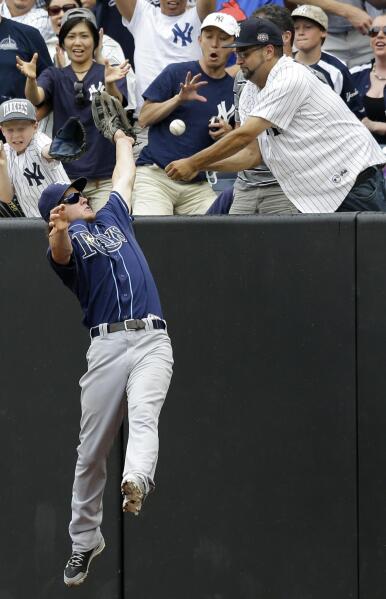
[{"x": 324, "y": 159}]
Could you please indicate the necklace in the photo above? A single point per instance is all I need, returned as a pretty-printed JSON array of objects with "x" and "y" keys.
[
  {"x": 79, "y": 72},
  {"x": 378, "y": 76}
]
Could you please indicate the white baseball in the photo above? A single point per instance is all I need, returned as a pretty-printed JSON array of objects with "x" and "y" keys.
[{"x": 177, "y": 127}]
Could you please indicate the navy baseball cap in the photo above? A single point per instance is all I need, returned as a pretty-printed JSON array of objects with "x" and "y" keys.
[
  {"x": 257, "y": 32},
  {"x": 52, "y": 195}
]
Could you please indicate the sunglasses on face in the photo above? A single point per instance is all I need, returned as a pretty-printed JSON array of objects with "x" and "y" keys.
[
  {"x": 373, "y": 32},
  {"x": 53, "y": 11},
  {"x": 243, "y": 54},
  {"x": 73, "y": 198}
]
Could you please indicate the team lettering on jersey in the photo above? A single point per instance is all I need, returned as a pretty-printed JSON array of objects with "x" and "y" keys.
[
  {"x": 184, "y": 35},
  {"x": 103, "y": 243},
  {"x": 36, "y": 175}
]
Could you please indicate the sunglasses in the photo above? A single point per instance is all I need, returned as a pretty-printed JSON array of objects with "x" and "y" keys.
[
  {"x": 73, "y": 198},
  {"x": 80, "y": 96},
  {"x": 373, "y": 32},
  {"x": 243, "y": 54},
  {"x": 55, "y": 10}
]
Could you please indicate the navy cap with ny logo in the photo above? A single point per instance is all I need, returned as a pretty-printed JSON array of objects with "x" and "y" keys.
[{"x": 257, "y": 32}]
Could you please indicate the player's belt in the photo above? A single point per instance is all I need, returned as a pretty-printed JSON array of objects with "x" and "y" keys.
[{"x": 130, "y": 325}]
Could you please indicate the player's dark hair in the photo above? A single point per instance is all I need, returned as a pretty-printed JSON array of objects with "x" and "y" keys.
[
  {"x": 71, "y": 23},
  {"x": 279, "y": 15}
]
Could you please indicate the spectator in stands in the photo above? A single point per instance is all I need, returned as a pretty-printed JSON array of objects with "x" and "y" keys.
[
  {"x": 17, "y": 39},
  {"x": 256, "y": 190},
  {"x": 25, "y": 11},
  {"x": 69, "y": 91},
  {"x": 162, "y": 35},
  {"x": 194, "y": 92},
  {"x": 311, "y": 24},
  {"x": 26, "y": 168},
  {"x": 371, "y": 79}
]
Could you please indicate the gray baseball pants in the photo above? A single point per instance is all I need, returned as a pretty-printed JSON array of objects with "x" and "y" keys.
[{"x": 136, "y": 365}]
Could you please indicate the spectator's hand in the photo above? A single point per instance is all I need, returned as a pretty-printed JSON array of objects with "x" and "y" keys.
[
  {"x": 117, "y": 72},
  {"x": 28, "y": 69},
  {"x": 358, "y": 19},
  {"x": 3, "y": 156},
  {"x": 188, "y": 90},
  {"x": 219, "y": 129},
  {"x": 98, "y": 51},
  {"x": 59, "y": 57},
  {"x": 180, "y": 170},
  {"x": 58, "y": 220}
]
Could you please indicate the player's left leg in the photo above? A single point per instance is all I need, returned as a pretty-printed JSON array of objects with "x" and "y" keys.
[{"x": 147, "y": 387}]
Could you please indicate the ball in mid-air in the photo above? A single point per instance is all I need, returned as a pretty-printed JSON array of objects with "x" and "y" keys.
[{"x": 177, "y": 127}]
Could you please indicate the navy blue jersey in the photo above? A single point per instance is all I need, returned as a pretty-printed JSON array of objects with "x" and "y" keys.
[
  {"x": 99, "y": 160},
  {"x": 341, "y": 81},
  {"x": 163, "y": 147},
  {"x": 17, "y": 39},
  {"x": 108, "y": 272}
]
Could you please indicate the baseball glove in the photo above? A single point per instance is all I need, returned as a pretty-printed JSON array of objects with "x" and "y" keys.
[
  {"x": 109, "y": 116},
  {"x": 70, "y": 141}
]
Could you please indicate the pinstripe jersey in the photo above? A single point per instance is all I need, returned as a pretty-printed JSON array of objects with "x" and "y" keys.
[
  {"x": 108, "y": 272},
  {"x": 316, "y": 147},
  {"x": 30, "y": 173},
  {"x": 36, "y": 17}
]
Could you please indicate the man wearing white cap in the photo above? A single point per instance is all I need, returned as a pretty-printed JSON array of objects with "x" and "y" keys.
[{"x": 193, "y": 92}]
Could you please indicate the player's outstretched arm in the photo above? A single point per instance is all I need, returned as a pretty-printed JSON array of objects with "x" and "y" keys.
[
  {"x": 154, "y": 112},
  {"x": 124, "y": 171},
  {"x": 187, "y": 168},
  {"x": 6, "y": 187},
  {"x": 248, "y": 157},
  {"x": 58, "y": 238}
]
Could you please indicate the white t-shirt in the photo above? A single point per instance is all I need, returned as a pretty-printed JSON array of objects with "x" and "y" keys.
[
  {"x": 317, "y": 146},
  {"x": 30, "y": 173},
  {"x": 161, "y": 40}
]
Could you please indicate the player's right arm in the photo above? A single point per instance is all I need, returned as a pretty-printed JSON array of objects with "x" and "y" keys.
[
  {"x": 154, "y": 112},
  {"x": 58, "y": 238},
  {"x": 33, "y": 92},
  {"x": 124, "y": 171},
  {"x": 6, "y": 187},
  {"x": 126, "y": 8}
]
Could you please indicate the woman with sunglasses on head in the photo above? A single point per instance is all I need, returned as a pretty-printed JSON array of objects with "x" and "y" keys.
[
  {"x": 370, "y": 80},
  {"x": 69, "y": 91}
]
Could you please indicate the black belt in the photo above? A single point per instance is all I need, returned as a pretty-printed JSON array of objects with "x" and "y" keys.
[
  {"x": 366, "y": 174},
  {"x": 129, "y": 325}
]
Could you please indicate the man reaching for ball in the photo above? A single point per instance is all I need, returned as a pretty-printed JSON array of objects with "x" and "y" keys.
[{"x": 197, "y": 93}]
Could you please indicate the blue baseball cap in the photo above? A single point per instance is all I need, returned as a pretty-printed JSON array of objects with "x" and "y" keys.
[
  {"x": 52, "y": 195},
  {"x": 256, "y": 32}
]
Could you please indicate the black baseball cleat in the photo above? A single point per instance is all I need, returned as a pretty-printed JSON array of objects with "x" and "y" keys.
[
  {"x": 76, "y": 569},
  {"x": 133, "y": 497}
]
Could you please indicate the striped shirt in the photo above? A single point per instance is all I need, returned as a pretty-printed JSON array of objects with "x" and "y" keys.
[
  {"x": 36, "y": 17},
  {"x": 30, "y": 173},
  {"x": 316, "y": 147}
]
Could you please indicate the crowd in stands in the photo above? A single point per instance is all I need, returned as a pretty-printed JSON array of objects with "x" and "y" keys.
[{"x": 166, "y": 60}]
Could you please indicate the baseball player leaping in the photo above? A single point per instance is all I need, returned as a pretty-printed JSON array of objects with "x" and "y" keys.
[{"x": 130, "y": 355}]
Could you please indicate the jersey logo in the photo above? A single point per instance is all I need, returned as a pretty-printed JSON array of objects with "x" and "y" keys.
[
  {"x": 36, "y": 175},
  {"x": 104, "y": 243},
  {"x": 93, "y": 89},
  {"x": 223, "y": 113},
  {"x": 185, "y": 35},
  {"x": 7, "y": 43},
  {"x": 337, "y": 178}
]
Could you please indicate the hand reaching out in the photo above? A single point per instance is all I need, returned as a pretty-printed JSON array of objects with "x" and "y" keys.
[
  {"x": 117, "y": 72},
  {"x": 58, "y": 220},
  {"x": 189, "y": 89},
  {"x": 28, "y": 69}
]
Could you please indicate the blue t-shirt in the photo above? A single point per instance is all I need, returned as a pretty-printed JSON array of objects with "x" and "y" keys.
[
  {"x": 17, "y": 39},
  {"x": 108, "y": 272},
  {"x": 99, "y": 160},
  {"x": 163, "y": 147}
]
